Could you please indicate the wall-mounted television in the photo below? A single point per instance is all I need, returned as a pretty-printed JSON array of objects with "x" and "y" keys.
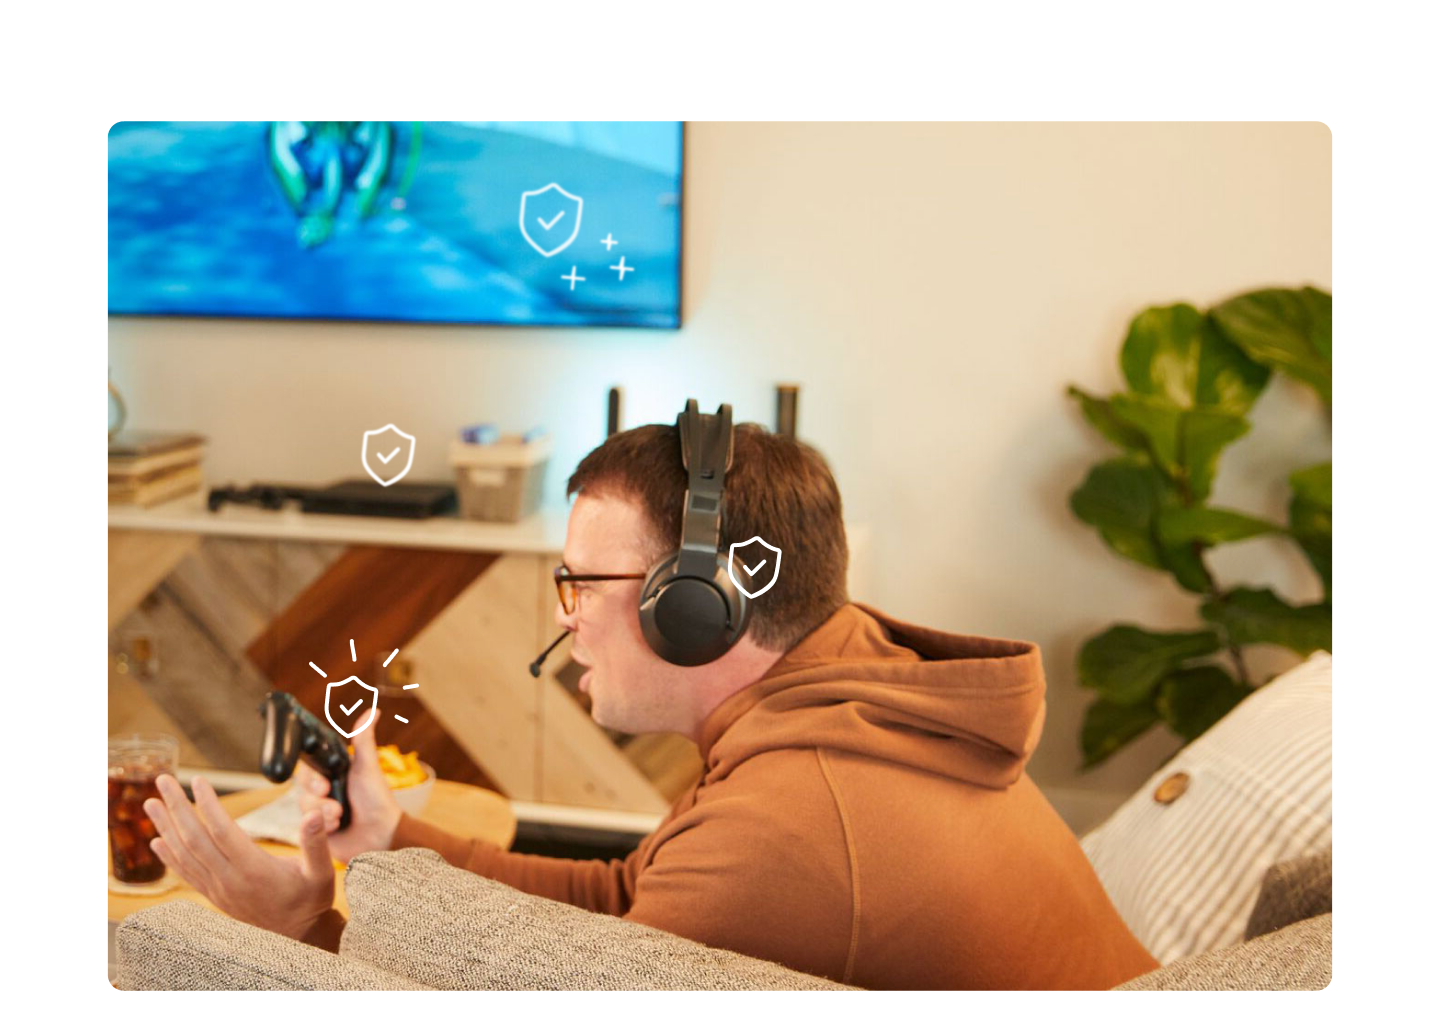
[{"x": 557, "y": 224}]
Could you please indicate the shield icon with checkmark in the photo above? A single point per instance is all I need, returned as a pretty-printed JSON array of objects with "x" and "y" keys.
[
  {"x": 550, "y": 218},
  {"x": 387, "y": 454},
  {"x": 340, "y": 714},
  {"x": 756, "y": 571}
]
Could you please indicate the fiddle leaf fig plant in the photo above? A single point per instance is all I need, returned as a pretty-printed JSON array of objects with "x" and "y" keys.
[{"x": 1191, "y": 378}]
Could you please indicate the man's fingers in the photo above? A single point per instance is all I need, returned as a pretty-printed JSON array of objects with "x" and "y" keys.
[
  {"x": 315, "y": 848},
  {"x": 311, "y": 781},
  {"x": 365, "y": 740},
  {"x": 177, "y": 853},
  {"x": 329, "y": 809},
  {"x": 228, "y": 836},
  {"x": 187, "y": 825},
  {"x": 178, "y": 859}
]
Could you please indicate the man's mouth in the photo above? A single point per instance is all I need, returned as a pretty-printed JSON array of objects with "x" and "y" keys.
[{"x": 585, "y": 682}]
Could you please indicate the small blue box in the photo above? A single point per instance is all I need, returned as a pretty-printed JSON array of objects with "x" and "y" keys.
[{"x": 480, "y": 434}]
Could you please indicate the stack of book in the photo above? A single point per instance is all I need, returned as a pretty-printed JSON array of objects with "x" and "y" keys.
[{"x": 148, "y": 467}]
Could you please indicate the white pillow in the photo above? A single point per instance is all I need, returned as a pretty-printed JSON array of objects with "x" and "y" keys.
[{"x": 1185, "y": 874}]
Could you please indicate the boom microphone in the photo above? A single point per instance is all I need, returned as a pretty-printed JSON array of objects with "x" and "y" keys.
[{"x": 535, "y": 666}]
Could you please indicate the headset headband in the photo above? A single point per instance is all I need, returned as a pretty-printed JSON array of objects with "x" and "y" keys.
[{"x": 706, "y": 452}]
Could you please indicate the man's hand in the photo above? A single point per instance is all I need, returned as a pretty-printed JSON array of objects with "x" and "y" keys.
[
  {"x": 374, "y": 813},
  {"x": 217, "y": 858}
]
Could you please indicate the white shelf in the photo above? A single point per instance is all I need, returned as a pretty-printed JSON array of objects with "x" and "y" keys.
[{"x": 543, "y": 532}]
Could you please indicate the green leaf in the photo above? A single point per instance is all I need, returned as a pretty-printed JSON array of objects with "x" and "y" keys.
[
  {"x": 1121, "y": 499},
  {"x": 1175, "y": 352},
  {"x": 1258, "y": 615},
  {"x": 1310, "y": 520},
  {"x": 1125, "y": 663},
  {"x": 1194, "y": 698},
  {"x": 1185, "y": 444},
  {"x": 1109, "y": 726},
  {"x": 1208, "y": 526},
  {"x": 1284, "y": 328},
  {"x": 1313, "y": 484},
  {"x": 1102, "y": 418},
  {"x": 1204, "y": 434},
  {"x": 1158, "y": 420},
  {"x": 1185, "y": 564}
]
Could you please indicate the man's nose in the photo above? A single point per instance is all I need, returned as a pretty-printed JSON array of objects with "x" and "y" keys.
[{"x": 566, "y": 621}]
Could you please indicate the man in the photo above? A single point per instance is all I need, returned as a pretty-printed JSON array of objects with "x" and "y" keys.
[{"x": 863, "y": 812}]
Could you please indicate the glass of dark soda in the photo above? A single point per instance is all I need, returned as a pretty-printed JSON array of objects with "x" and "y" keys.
[{"x": 135, "y": 762}]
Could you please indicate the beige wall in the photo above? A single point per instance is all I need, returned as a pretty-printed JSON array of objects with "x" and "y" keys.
[{"x": 932, "y": 288}]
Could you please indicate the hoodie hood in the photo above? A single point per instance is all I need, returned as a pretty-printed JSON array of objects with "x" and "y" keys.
[{"x": 963, "y": 707}]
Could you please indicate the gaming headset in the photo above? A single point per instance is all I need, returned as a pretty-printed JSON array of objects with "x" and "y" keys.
[{"x": 691, "y": 611}]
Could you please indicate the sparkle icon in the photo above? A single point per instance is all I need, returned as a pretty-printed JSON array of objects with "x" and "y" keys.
[{"x": 372, "y": 694}]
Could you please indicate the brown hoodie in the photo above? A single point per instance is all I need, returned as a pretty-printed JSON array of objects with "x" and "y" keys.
[{"x": 863, "y": 815}]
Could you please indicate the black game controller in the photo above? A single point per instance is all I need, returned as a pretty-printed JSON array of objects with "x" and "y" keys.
[{"x": 292, "y": 734}]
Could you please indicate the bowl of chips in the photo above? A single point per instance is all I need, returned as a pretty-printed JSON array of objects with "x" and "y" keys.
[{"x": 411, "y": 780}]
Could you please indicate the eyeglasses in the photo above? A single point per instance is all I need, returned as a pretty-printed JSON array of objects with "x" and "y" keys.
[{"x": 565, "y": 584}]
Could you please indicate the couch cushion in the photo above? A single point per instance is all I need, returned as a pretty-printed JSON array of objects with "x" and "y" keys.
[
  {"x": 413, "y": 913},
  {"x": 182, "y": 945},
  {"x": 1296, "y": 889},
  {"x": 1296, "y": 957},
  {"x": 1183, "y": 858}
]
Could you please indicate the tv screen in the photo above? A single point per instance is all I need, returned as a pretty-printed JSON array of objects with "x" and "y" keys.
[{"x": 560, "y": 224}]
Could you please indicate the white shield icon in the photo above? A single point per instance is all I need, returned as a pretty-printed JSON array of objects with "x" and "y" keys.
[
  {"x": 330, "y": 715},
  {"x": 408, "y": 447},
  {"x": 755, "y": 572},
  {"x": 550, "y": 218}
]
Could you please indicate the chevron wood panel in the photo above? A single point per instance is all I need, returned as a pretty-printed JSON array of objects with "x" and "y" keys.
[
  {"x": 382, "y": 597},
  {"x": 236, "y": 586},
  {"x": 197, "y": 623},
  {"x": 139, "y": 560},
  {"x": 211, "y": 694},
  {"x": 131, "y": 710},
  {"x": 471, "y": 662}
]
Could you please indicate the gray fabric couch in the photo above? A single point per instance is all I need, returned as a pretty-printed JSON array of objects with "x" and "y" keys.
[{"x": 418, "y": 923}]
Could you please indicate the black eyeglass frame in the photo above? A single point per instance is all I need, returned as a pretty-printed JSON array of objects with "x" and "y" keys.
[{"x": 564, "y": 577}]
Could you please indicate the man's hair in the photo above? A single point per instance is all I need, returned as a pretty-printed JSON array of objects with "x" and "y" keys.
[{"x": 778, "y": 488}]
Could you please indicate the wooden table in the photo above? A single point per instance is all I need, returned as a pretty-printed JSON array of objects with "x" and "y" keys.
[{"x": 464, "y": 810}]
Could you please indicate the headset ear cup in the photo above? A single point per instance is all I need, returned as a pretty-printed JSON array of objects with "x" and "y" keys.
[
  {"x": 649, "y": 595},
  {"x": 736, "y": 601},
  {"x": 690, "y": 621}
]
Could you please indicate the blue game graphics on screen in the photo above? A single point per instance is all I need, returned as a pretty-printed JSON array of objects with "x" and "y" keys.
[{"x": 560, "y": 224}]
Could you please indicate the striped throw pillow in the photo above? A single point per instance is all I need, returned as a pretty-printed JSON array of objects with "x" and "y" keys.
[{"x": 1184, "y": 857}]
